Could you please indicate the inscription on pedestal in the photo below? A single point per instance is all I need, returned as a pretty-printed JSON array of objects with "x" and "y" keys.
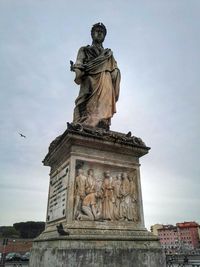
[{"x": 58, "y": 195}]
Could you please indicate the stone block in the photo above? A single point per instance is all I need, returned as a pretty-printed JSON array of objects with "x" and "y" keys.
[{"x": 95, "y": 212}]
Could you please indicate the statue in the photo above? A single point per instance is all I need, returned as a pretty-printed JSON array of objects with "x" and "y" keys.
[{"x": 99, "y": 78}]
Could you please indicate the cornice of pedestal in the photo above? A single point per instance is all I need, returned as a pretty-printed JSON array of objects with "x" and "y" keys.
[{"x": 97, "y": 138}]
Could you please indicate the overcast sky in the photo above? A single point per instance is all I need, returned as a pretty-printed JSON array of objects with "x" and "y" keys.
[{"x": 156, "y": 44}]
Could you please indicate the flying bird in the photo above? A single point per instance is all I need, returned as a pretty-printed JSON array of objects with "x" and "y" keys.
[{"x": 22, "y": 135}]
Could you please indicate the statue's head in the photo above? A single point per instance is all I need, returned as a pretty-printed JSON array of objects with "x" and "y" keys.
[
  {"x": 80, "y": 171},
  {"x": 98, "y": 32},
  {"x": 107, "y": 174},
  {"x": 118, "y": 176},
  {"x": 90, "y": 172},
  {"x": 124, "y": 175}
]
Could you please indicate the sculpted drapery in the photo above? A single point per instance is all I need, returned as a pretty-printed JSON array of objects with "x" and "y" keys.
[
  {"x": 127, "y": 209},
  {"x": 108, "y": 204},
  {"x": 99, "y": 79},
  {"x": 110, "y": 198}
]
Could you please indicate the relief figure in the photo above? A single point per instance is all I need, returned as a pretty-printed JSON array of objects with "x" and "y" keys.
[
  {"x": 117, "y": 195},
  {"x": 108, "y": 204},
  {"x": 89, "y": 211},
  {"x": 133, "y": 194},
  {"x": 126, "y": 205},
  {"x": 80, "y": 191},
  {"x": 99, "y": 194}
]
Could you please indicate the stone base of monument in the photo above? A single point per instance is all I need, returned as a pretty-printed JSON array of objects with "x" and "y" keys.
[
  {"x": 95, "y": 212},
  {"x": 97, "y": 251}
]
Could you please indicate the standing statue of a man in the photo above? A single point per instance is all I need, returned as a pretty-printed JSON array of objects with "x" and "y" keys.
[{"x": 99, "y": 79}]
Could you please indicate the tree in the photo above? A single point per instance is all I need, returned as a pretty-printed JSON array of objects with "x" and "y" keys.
[
  {"x": 8, "y": 231},
  {"x": 29, "y": 229}
]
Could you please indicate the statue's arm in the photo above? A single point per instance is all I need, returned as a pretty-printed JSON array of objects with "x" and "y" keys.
[{"x": 78, "y": 66}]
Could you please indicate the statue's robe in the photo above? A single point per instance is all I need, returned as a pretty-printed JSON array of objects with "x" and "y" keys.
[
  {"x": 99, "y": 85},
  {"x": 108, "y": 203}
]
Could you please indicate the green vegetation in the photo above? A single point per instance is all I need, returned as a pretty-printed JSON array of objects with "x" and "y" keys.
[
  {"x": 22, "y": 230},
  {"x": 8, "y": 231},
  {"x": 29, "y": 229}
]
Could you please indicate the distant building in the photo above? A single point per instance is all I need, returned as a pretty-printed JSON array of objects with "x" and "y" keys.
[
  {"x": 188, "y": 234},
  {"x": 155, "y": 228},
  {"x": 183, "y": 236},
  {"x": 199, "y": 231},
  {"x": 169, "y": 237},
  {"x": 16, "y": 245}
]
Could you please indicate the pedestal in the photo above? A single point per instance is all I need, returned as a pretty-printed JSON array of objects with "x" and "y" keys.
[{"x": 95, "y": 212}]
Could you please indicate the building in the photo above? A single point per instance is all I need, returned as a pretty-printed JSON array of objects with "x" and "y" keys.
[
  {"x": 188, "y": 234},
  {"x": 169, "y": 237},
  {"x": 199, "y": 231},
  {"x": 16, "y": 245},
  {"x": 155, "y": 228},
  {"x": 183, "y": 236}
]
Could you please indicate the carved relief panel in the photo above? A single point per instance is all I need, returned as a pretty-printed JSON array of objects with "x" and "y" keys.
[
  {"x": 105, "y": 193},
  {"x": 58, "y": 195}
]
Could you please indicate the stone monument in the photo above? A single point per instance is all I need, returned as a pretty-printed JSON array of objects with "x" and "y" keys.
[{"x": 95, "y": 212}]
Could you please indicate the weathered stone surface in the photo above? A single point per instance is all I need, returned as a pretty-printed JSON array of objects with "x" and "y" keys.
[
  {"x": 95, "y": 177},
  {"x": 75, "y": 236},
  {"x": 101, "y": 253},
  {"x": 95, "y": 212},
  {"x": 99, "y": 78}
]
